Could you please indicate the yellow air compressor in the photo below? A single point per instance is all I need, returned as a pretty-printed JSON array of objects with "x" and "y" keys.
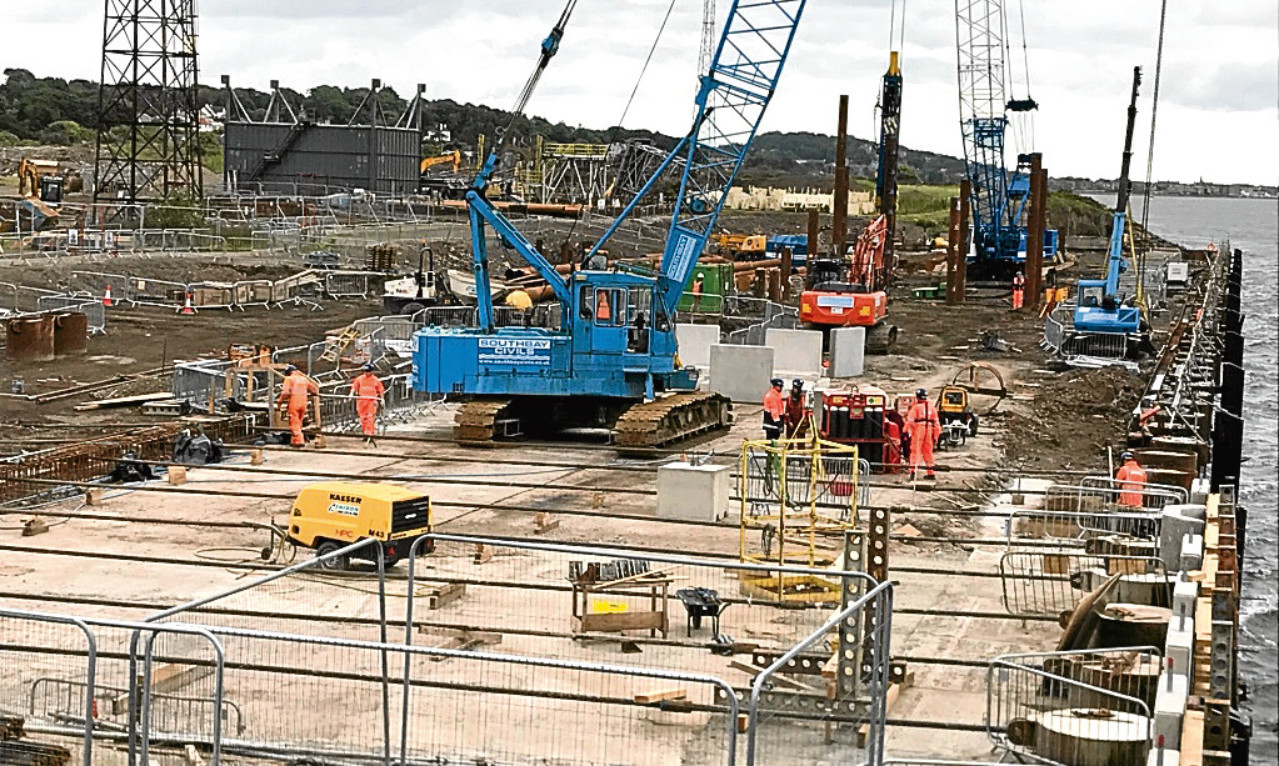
[{"x": 331, "y": 515}]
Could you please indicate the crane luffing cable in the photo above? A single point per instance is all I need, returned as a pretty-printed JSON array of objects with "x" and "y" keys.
[
  {"x": 644, "y": 69},
  {"x": 550, "y": 46}
]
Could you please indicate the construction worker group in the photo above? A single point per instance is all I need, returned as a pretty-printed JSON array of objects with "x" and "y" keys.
[
  {"x": 297, "y": 389},
  {"x": 919, "y": 432},
  {"x": 785, "y": 415}
]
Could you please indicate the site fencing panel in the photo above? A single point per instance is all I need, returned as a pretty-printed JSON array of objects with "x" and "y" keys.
[
  {"x": 1051, "y": 582},
  {"x": 672, "y": 609},
  {"x": 94, "y": 311},
  {"x": 348, "y": 284},
  {"x": 1067, "y": 528},
  {"x": 128, "y": 682},
  {"x": 487, "y": 670},
  {"x": 1055, "y": 708},
  {"x": 1153, "y": 495},
  {"x": 829, "y": 708}
]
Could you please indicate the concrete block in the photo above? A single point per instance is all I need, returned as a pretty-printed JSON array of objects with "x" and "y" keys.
[
  {"x": 796, "y": 351},
  {"x": 741, "y": 372},
  {"x": 1163, "y": 756},
  {"x": 1184, "y": 593},
  {"x": 1176, "y": 522},
  {"x": 847, "y": 352},
  {"x": 1192, "y": 553},
  {"x": 1199, "y": 490},
  {"x": 1170, "y": 706},
  {"x": 1180, "y": 644},
  {"x": 695, "y": 341},
  {"x": 693, "y": 492}
]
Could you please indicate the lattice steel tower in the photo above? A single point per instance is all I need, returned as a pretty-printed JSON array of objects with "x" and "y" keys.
[{"x": 148, "y": 116}]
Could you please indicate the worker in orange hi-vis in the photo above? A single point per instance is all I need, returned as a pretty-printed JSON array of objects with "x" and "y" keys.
[
  {"x": 1019, "y": 290},
  {"x": 295, "y": 393},
  {"x": 368, "y": 392},
  {"x": 602, "y": 312},
  {"x": 924, "y": 428},
  {"x": 1132, "y": 480},
  {"x": 774, "y": 410}
]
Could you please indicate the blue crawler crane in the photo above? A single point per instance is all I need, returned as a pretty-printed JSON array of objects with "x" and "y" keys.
[
  {"x": 1101, "y": 310},
  {"x": 608, "y": 358},
  {"x": 997, "y": 195}
]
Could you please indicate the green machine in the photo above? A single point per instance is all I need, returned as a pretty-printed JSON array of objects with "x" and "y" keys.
[{"x": 716, "y": 282}]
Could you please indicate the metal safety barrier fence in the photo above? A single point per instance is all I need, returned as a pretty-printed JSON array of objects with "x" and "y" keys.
[
  {"x": 1051, "y": 582},
  {"x": 94, "y": 657},
  {"x": 94, "y": 311},
  {"x": 1154, "y": 495},
  {"x": 1107, "y": 494},
  {"x": 1078, "y": 527},
  {"x": 219, "y": 672},
  {"x": 1055, "y": 708},
  {"x": 852, "y": 709}
]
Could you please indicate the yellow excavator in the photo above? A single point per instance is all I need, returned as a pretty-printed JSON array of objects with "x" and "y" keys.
[{"x": 40, "y": 187}]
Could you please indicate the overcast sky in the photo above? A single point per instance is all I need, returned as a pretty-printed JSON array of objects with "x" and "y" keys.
[{"x": 1218, "y": 111}]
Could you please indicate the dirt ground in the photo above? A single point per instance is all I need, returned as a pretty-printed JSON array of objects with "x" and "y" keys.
[{"x": 142, "y": 338}]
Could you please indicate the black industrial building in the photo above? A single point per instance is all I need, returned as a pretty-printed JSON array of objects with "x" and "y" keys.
[{"x": 308, "y": 159}]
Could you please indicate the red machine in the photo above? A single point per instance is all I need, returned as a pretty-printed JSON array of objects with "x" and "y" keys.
[
  {"x": 843, "y": 294},
  {"x": 864, "y": 419}
]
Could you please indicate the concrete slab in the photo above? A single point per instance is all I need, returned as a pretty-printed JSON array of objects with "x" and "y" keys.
[
  {"x": 695, "y": 341},
  {"x": 741, "y": 372},
  {"x": 847, "y": 352},
  {"x": 797, "y": 352}
]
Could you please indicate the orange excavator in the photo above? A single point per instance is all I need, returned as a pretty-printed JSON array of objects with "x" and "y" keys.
[
  {"x": 453, "y": 158},
  {"x": 840, "y": 293}
]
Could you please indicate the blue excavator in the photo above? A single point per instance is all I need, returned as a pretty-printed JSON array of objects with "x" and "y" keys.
[
  {"x": 1101, "y": 310},
  {"x": 606, "y": 355}
]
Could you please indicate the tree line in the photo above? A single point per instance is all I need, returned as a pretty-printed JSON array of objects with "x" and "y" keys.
[{"x": 51, "y": 110}]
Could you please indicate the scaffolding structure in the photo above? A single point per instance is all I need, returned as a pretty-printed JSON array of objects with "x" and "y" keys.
[{"x": 148, "y": 115}]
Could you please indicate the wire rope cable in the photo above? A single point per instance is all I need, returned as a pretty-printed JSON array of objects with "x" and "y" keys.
[{"x": 647, "y": 60}]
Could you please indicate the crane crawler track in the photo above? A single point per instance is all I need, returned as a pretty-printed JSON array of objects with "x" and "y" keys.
[
  {"x": 671, "y": 419},
  {"x": 475, "y": 424}
]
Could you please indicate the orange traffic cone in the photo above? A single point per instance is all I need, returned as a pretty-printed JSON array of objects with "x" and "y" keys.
[
  {"x": 187, "y": 308},
  {"x": 106, "y": 297}
]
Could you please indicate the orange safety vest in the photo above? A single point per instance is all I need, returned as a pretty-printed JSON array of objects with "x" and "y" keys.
[
  {"x": 296, "y": 387},
  {"x": 1132, "y": 479},
  {"x": 922, "y": 415},
  {"x": 367, "y": 386},
  {"x": 602, "y": 312},
  {"x": 774, "y": 405}
]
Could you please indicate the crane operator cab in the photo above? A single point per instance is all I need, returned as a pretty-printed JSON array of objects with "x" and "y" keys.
[{"x": 617, "y": 313}]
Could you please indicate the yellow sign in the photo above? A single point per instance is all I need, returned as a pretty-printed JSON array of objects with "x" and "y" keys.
[{"x": 600, "y": 606}]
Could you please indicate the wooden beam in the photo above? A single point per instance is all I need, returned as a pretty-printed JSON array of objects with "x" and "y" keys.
[{"x": 661, "y": 695}]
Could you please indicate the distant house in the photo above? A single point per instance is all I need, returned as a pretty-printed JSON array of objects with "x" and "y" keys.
[{"x": 211, "y": 118}]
